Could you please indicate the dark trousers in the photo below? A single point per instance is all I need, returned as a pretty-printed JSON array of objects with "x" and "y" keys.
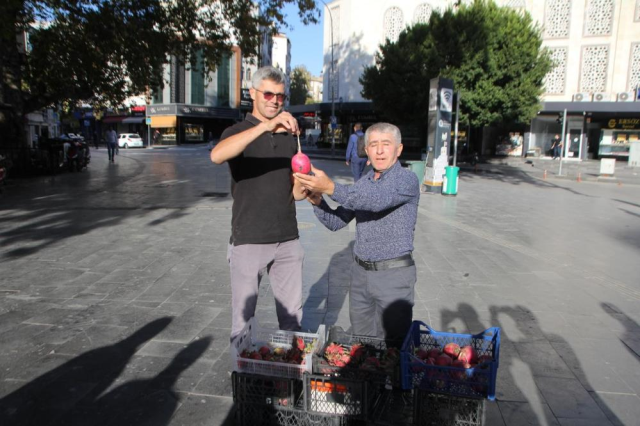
[
  {"x": 357, "y": 167},
  {"x": 381, "y": 302},
  {"x": 111, "y": 148},
  {"x": 557, "y": 152}
]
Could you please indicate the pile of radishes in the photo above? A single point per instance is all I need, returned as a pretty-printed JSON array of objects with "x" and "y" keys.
[
  {"x": 294, "y": 355},
  {"x": 452, "y": 355}
]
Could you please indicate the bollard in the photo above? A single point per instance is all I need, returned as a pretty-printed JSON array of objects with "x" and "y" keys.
[
  {"x": 579, "y": 177},
  {"x": 544, "y": 175}
]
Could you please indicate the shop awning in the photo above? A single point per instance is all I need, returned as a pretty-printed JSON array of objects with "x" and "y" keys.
[
  {"x": 163, "y": 121},
  {"x": 112, "y": 120},
  {"x": 133, "y": 120}
]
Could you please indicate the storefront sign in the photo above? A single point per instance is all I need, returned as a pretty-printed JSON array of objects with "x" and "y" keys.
[
  {"x": 140, "y": 108},
  {"x": 624, "y": 123},
  {"x": 192, "y": 111},
  {"x": 245, "y": 99}
]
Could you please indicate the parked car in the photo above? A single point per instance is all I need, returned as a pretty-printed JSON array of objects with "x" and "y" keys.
[{"x": 130, "y": 140}]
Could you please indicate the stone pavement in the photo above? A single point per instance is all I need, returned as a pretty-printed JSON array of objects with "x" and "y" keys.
[{"x": 114, "y": 297}]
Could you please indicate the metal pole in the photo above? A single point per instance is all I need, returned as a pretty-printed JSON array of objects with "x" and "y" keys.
[
  {"x": 333, "y": 96},
  {"x": 455, "y": 139},
  {"x": 564, "y": 142}
]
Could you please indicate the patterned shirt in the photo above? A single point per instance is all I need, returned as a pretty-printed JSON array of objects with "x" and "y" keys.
[{"x": 385, "y": 210}]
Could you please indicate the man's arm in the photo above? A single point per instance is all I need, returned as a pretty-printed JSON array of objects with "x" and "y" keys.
[
  {"x": 349, "y": 148},
  {"x": 235, "y": 145},
  {"x": 389, "y": 197},
  {"x": 333, "y": 220}
]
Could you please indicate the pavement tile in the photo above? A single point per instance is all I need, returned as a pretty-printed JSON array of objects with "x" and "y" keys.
[
  {"x": 524, "y": 414},
  {"x": 543, "y": 360},
  {"x": 621, "y": 409},
  {"x": 568, "y": 399},
  {"x": 205, "y": 410}
]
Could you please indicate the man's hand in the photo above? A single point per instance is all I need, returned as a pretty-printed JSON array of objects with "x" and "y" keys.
[
  {"x": 283, "y": 122},
  {"x": 314, "y": 198},
  {"x": 319, "y": 182},
  {"x": 347, "y": 163}
]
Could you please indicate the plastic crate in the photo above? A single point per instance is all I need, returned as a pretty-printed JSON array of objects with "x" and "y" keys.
[
  {"x": 389, "y": 375},
  {"x": 254, "y": 336},
  {"x": 395, "y": 408},
  {"x": 256, "y": 389},
  {"x": 432, "y": 409},
  {"x": 264, "y": 415},
  {"x": 340, "y": 396},
  {"x": 478, "y": 382}
]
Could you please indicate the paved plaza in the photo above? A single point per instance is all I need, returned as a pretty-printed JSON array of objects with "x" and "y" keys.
[{"x": 115, "y": 298}]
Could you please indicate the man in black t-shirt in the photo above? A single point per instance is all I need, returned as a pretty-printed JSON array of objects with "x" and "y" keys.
[{"x": 264, "y": 230}]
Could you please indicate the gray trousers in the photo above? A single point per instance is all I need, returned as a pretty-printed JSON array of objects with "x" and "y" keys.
[
  {"x": 283, "y": 263},
  {"x": 381, "y": 302}
]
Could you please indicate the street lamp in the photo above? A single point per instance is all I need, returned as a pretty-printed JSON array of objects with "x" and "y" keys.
[{"x": 333, "y": 104}]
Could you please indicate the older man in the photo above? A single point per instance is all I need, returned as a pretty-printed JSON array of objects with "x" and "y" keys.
[
  {"x": 384, "y": 203},
  {"x": 264, "y": 229}
]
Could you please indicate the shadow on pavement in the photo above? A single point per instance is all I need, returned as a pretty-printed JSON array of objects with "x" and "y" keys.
[
  {"x": 79, "y": 382},
  {"x": 541, "y": 377}
]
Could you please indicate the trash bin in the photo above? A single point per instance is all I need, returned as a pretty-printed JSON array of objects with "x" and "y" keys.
[
  {"x": 450, "y": 181},
  {"x": 417, "y": 167}
]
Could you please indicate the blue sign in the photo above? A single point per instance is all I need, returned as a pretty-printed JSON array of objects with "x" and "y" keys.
[{"x": 148, "y": 120}]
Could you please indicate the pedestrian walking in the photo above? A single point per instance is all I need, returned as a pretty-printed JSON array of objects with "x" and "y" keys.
[
  {"x": 384, "y": 204},
  {"x": 112, "y": 143},
  {"x": 356, "y": 155},
  {"x": 556, "y": 146},
  {"x": 264, "y": 229}
]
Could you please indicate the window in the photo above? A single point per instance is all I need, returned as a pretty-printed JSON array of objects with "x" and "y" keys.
[
  {"x": 557, "y": 14},
  {"x": 223, "y": 82},
  {"x": 598, "y": 17},
  {"x": 197, "y": 80},
  {"x": 554, "y": 82},
  {"x": 393, "y": 23},
  {"x": 634, "y": 67},
  {"x": 422, "y": 14},
  {"x": 593, "y": 74}
]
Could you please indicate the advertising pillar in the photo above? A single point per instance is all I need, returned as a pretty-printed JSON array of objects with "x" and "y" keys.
[{"x": 439, "y": 133}]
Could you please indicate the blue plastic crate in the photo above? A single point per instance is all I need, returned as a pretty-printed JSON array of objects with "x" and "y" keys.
[{"x": 477, "y": 382}]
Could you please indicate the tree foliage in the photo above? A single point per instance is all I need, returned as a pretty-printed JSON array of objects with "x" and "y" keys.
[
  {"x": 493, "y": 54},
  {"x": 300, "y": 85},
  {"x": 102, "y": 51}
]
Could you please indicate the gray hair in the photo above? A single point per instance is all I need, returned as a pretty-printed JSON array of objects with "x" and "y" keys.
[
  {"x": 267, "y": 73},
  {"x": 383, "y": 128}
]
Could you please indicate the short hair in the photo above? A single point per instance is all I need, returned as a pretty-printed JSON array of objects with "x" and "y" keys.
[
  {"x": 383, "y": 128},
  {"x": 267, "y": 73},
  {"x": 358, "y": 125}
]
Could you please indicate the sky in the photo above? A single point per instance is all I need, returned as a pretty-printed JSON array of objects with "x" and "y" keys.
[{"x": 306, "y": 41}]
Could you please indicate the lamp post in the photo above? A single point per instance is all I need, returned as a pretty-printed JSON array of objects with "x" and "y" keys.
[{"x": 333, "y": 104}]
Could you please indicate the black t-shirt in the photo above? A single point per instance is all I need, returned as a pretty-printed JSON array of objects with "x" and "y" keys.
[{"x": 263, "y": 210}]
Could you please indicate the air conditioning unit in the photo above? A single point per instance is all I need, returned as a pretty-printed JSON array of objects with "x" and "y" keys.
[
  {"x": 601, "y": 97},
  {"x": 582, "y": 97},
  {"x": 626, "y": 96}
]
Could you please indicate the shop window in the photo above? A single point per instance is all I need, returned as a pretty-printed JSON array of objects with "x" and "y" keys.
[{"x": 193, "y": 133}]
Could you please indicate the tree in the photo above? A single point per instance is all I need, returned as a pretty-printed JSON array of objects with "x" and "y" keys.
[
  {"x": 300, "y": 85},
  {"x": 102, "y": 51},
  {"x": 493, "y": 54}
]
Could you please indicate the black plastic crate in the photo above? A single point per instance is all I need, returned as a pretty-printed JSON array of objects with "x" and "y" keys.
[
  {"x": 395, "y": 408},
  {"x": 433, "y": 409},
  {"x": 264, "y": 415},
  {"x": 254, "y": 389},
  {"x": 339, "y": 396},
  {"x": 387, "y": 373}
]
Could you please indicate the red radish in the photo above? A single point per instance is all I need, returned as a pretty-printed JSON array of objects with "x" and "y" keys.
[
  {"x": 452, "y": 349},
  {"x": 444, "y": 360},
  {"x": 434, "y": 353},
  {"x": 264, "y": 351},
  {"x": 467, "y": 354},
  {"x": 422, "y": 354},
  {"x": 300, "y": 163},
  {"x": 458, "y": 375},
  {"x": 484, "y": 360}
]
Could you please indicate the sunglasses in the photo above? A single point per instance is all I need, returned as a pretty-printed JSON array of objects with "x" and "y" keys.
[{"x": 281, "y": 97}]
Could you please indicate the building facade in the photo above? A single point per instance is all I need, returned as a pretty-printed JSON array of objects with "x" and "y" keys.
[{"x": 595, "y": 45}]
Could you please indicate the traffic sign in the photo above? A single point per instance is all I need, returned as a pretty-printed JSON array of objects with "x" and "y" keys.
[
  {"x": 148, "y": 120},
  {"x": 334, "y": 119}
]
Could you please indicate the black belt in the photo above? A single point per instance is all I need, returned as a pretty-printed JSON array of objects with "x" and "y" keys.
[{"x": 381, "y": 265}]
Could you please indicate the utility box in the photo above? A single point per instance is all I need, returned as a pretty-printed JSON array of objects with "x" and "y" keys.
[
  {"x": 607, "y": 167},
  {"x": 634, "y": 154}
]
